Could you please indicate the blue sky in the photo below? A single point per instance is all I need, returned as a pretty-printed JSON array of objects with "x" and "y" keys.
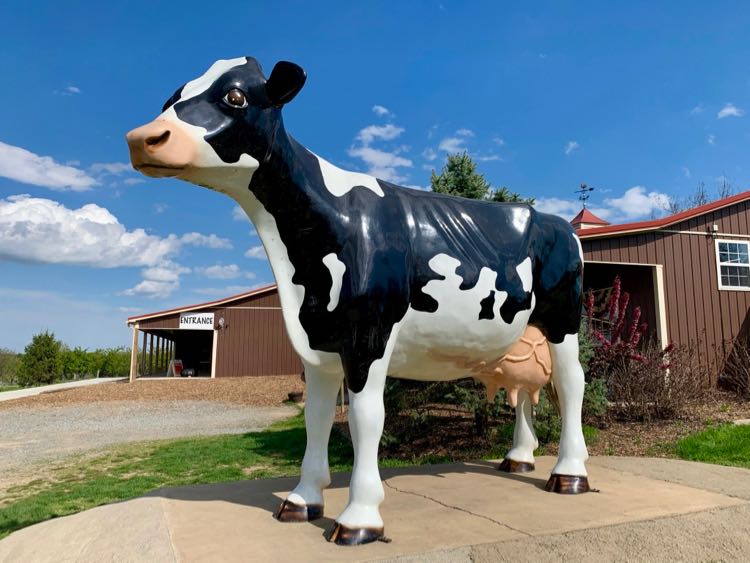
[{"x": 640, "y": 101}]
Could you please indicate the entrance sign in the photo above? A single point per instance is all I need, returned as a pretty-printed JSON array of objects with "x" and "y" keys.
[{"x": 197, "y": 321}]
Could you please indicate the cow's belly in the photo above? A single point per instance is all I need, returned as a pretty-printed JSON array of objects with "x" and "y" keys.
[{"x": 453, "y": 341}]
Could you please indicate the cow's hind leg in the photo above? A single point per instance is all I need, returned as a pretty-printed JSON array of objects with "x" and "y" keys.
[
  {"x": 305, "y": 502},
  {"x": 569, "y": 474},
  {"x": 520, "y": 458}
]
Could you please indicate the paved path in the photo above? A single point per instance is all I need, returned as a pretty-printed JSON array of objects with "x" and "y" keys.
[
  {"x": 31, "y": 391},
  {"x": 29, "y": 436},
  {"x": 648, "y": 510}
]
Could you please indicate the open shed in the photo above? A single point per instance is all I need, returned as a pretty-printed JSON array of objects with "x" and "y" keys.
[{"x": 241, "y": 335}]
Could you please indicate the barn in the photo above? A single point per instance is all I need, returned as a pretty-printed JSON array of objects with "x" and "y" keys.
[
  {"x": 689, "y": 272},
  {"x": 241, "y": 335}
]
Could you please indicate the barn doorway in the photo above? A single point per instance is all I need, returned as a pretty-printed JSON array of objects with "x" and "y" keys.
[
  {"x": 644, "y": 283},
  {"x": 193, "y": 348}
]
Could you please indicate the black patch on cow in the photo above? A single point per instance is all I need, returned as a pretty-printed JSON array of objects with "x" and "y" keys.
[
  {"x": 487, "y": 307},
  {"x": 385, "y": 242}
]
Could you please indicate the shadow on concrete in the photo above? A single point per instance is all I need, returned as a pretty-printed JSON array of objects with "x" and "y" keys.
[{"x": 267, "y": 494}]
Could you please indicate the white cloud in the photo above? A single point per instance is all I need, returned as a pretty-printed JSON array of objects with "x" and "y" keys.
[
  {"x": 69, "y": 90},
  {"x": 381, "y": 111},
  {"x": 487, "y": 157},
  {"x": 563, "y": 207},
  {"x": 636, "y": 202},
  {"x": 159, "y": 208},
  {"x": 238, "y": 214},
  {"x": 24, "y": 166},
  {"x": 110, "y": 168},
  {"x": 133, "y": 181},
  {"x": 498, "y": 141},
  {"x": 45, "y": 231},
  {"x": 456, "y": 143},
  {"x": 452, "y": 144},
  {"x": 571, "y": 146},
  {"x": 206, "y": 241},
  {"x": 730, "y": 110},
  {"x": 158, "y": 281},
  {"x": 429, "y": 154},
  {"x": 697, "y": 109},
  {"x": 381, "y": 164},
  {"x": 221, "y": 272},
  {"x": 380, "y": 132},
  {"x": 686, "y": 171},
  {"x": 42, "y": 230},
  {"x": 711, "y": 139},
  {"x": 256, "y": 252}
]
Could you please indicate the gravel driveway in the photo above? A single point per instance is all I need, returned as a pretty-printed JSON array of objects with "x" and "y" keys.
[{"x": 29, "y": 436}]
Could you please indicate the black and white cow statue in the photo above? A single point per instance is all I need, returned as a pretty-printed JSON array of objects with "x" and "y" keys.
[{"x": 375, "y": 279}]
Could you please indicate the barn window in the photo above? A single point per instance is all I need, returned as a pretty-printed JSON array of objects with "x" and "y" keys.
[{"x": 734, "y": 264}]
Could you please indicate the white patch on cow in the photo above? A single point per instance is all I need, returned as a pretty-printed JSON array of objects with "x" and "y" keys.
[
  {"x": 524, "y": 272},
  {"x": 446, "y": 344},
  {"x": 208, "y": 169},
  {"x": 580, "y": 246},
  {"x": 336, "y": 268},
  {"x": 202, "y": 83},
  {"x": 291, "y": 294},
  {"x": 520, "y": 218},
  {"x": 340, "y": 182}
]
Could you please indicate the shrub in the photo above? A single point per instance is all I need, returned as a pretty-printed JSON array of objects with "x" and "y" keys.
[
  {"x": 41, "y": 362},
  {"x": 9, "y": 365},
  {"x": 736, "y": 373},
  {"x": 659, "y": 385},
  {"x": 618, "y": 338}
]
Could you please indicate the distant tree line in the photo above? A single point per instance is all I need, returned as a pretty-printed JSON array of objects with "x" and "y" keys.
[{"x": 48, "y": 360}]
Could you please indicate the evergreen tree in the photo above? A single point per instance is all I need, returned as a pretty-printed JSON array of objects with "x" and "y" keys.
[
  {"x": 459, "y": 177},
  {"x": 41, "y": 362}
]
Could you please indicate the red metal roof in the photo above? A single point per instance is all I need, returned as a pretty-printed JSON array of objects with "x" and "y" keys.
[
  {"x": 206, "y": 305},
  {"x": 585, "y": 216},
  {"x": 641, "y": 226}
]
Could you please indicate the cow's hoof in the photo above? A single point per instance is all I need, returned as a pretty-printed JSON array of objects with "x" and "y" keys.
[
  {"x": 291, "y": 512},
  {"x": 342, "y": 535},
  {"x": 567, "y": 484},
  {"x": 511, "y": 466}
]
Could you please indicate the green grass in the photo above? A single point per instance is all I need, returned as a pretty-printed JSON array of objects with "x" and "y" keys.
[
  {"x": 724, "y": 445},
  {"x": 134, "y": 469},
  {"x": 9, "y": 387}
]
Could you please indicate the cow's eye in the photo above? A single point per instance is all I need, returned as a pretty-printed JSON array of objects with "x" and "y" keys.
[{"x": 236, "y": 98}]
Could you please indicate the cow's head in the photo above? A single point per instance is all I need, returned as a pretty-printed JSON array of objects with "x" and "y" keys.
[{"x": 217, "y": 129}]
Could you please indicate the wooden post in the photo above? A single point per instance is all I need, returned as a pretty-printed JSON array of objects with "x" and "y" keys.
[
  {"x": 143, "y": 355},
  {"x": 151, "y": 353},
  {"x": 134, "y": 354},
  {"x": 214, "y": 346}
]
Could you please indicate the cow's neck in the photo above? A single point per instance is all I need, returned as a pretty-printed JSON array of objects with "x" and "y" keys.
[{"x": 285, "y": 202}]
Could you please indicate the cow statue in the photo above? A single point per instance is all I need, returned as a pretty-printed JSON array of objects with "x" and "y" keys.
[{"x": 376, "y": 279}]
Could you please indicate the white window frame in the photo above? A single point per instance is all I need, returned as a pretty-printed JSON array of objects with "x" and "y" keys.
[{"x": 719, "y": 264}]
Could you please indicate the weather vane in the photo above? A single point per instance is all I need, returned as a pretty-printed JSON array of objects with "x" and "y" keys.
[{"x": 584, "y": 194}]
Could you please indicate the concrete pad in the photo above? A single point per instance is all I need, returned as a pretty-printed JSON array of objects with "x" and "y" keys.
[
  {"x": 135, "y": 531},
  {"x": 453, "y": 512}
]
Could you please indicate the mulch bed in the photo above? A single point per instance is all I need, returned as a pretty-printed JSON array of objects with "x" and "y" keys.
[{"x": 259, "y": 391}]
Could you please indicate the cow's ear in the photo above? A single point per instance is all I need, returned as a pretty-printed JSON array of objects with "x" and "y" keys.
[{"x": 285, "y": 82}]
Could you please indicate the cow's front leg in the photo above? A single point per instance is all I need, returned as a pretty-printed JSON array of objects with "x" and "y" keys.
[
  {"x": 360, "y": 522},
  {"x": 569, "y": 474},
  {"x": 305, "y": 502},
  {"x": 520, "y": 458}
]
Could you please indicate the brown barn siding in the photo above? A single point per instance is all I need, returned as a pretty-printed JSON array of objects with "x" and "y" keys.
[
  {"x": 254, "y": 341},
  {"x": 698, "y": 313}
]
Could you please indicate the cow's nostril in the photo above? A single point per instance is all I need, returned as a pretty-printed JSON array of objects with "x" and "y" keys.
[{"x": 156, "y": 140}]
